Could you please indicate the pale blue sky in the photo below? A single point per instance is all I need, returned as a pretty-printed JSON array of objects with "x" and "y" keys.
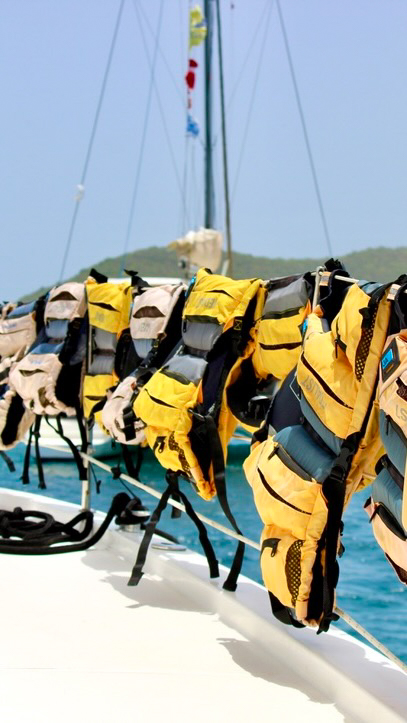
[{"x": 350, "y": 59}]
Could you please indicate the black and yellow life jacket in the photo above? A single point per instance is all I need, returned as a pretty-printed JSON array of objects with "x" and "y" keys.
[
  {"x": 278, "y": 335},
  {"x": 108, "y": 305},
  {"x": 183, "y": 404},
  {"x": 303, "y": 475},
  {"x": 277, "y": 347}
]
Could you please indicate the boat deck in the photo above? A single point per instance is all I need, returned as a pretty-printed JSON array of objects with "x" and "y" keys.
[{"x": 78, "y": 645}]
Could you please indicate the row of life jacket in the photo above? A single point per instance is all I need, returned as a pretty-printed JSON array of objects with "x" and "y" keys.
[
  {"x": 304, "y": 474},
  {"x": 83, "y": 346}
]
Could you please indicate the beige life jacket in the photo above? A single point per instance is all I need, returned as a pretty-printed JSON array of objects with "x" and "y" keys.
[
  {"x": 155, "y": 329},
  {"x": 48, "y": 378}
]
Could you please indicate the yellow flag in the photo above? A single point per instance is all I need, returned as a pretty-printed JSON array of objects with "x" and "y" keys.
[{"x": 197, "y": 26}]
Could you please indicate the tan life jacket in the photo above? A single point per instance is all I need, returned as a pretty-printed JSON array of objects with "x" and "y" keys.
[
  {"x": 387, "y": 506},
  {"x": 108, "y": 305},
  {"x": 17, "y": 329},
  {"x": 48, "y": 377},
  {"x": 303, "y": 476},
  {"x": 186, "y": 397},
  {"x": 155, "y": 329},
  {"x": 19, "y": 326},
  {"x": 15, "y": 419}
]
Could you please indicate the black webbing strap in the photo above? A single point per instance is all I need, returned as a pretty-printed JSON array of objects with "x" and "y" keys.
[
  {"x": 218, "y": 466},
  {"x": 176, "y": 495},
  {"x": 334, "y": 487},
  {"x": 283, "y": 613},
  {"x": 98, "y": 276},
  {"x": 15, "y": 547},
  {"x": 81, "y": 426},
  {"x": 137, "y": 571},
  {"x": 75, "y": 452},
  {"x": 9, "y": 462},
  {"x": 133, "y": 470},
  {"x": 396, "y": 476},
  {"x": 25, "y": 477},
  {"x": 40, "y": 468}
]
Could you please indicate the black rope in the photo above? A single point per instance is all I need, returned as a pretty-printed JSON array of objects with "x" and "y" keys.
[{"x": 36, "y": 547}]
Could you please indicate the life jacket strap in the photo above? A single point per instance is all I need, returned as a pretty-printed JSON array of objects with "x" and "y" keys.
[
  {"x": 9, "y": 462},
  {"x": 40, "y": 467},
  {"x": 283, "y": 613},
  {"x": 133, "y": 470},
  {"x": 334, "y": 487},
  {"x": 207, "y": 427},
  {"x": 137, "y": 571}
]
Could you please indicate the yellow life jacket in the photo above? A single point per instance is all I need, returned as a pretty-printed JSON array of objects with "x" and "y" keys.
[
  {"x": 303, "y": 476},
  {"x": 278, "y": 340},
  {"x": 278, "y": 335},
  {"x": 108, "y": 305},
  {"x": 188, "y": 392},
  {"x": 184, "y": 404}
]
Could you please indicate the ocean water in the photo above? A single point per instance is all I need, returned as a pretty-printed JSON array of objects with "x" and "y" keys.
[{"x": 368, "y": 588}]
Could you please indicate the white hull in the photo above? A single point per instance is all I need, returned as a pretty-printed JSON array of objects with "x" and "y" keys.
[{"x": 80, "y": 645}]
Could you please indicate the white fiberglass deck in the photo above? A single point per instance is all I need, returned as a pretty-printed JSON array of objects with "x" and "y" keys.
[{"x": 78, "y": 645}]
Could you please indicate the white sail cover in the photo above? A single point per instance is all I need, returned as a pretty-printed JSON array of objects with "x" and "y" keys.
[{"x": 200, "y": 248}]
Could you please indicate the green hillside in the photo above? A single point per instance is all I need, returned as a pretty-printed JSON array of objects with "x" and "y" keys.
[{"x": 375, "y": 264}]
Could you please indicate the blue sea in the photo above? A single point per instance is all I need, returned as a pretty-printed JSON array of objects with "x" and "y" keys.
[{"x": 368, "y": 588}]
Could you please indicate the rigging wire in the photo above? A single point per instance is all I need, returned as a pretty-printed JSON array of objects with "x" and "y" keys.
[
  {"x": 162, "y": 56},
  {"x": 245, "y": 62},
  {"x": 251, "y": 103},
  {"x": 304, "y": 129},
  {"x": 144, "y": 132},
  {"x": 231, "y": 533},
  {"x": 153, "y": 86},
  {"x": 224, "y": 147},
  {"x": 81, "y": 185}
]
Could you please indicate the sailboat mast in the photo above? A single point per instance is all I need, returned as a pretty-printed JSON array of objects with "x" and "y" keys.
[
  {"x": 224, "y": 147},
  {"x": 208, "y": 171}
]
